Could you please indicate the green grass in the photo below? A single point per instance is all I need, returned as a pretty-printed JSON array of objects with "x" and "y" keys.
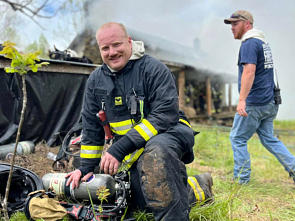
[
  {"x": 270, "y": 194},
  {"x": 19, "y": 216},
  {"x": 284, "y": 124}
]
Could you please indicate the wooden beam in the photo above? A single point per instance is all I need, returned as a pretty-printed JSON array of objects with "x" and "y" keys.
[
  {"x": 230, "y": 107},
  {"x": 223, "y": 93},
  {"x": 181, "y": 86},
  {"x": 208, "y": 96},
  {"x": 57, "y": 66}
]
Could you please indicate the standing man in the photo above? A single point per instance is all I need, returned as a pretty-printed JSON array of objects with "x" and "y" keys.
[
  {"x": 256, "y": 108},
  {"x": 139, "y": 96}
]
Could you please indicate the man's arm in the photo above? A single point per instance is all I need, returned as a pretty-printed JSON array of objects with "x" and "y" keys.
[
  {"x": 162, "y": 101},
  {"x": 246, "y": 85},
  {"x": 92, "y": 138}
]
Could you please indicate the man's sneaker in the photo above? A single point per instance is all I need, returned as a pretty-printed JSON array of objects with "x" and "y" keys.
[{"x": 200, "y": 189}]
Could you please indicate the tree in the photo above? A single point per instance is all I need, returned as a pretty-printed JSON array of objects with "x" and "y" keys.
[
  {"x": 9, "y": 33},
  {"x": 41, "y": 45},
  {"x": 21, "y": 64},
  {"x": 55, "y": 20},
  {"x": 30, "y": 9},
  {"x": 42, "y": 9}
]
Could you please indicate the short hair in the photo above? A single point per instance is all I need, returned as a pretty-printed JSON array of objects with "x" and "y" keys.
[{"x": 109, "y": 24}]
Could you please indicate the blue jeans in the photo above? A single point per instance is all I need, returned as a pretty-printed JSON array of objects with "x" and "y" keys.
[{"x": 259, "y": 120}]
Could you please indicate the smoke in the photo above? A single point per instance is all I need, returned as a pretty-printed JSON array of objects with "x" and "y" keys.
[
  {"x": 187, "y": 22},
  {"x": 196, "y": 25},
  {"x": 277, "y": 20}
]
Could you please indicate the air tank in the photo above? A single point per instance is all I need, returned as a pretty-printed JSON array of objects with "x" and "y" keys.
[
  {"x": 23, "y": 147},
  {"x": 57, "y": 183}
]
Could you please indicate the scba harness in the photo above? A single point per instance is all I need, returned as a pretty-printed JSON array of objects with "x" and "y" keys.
[{"x": 41, "y": 204}]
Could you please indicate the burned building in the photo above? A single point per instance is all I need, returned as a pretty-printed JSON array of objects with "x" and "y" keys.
[{"x": 203, "y": 92}]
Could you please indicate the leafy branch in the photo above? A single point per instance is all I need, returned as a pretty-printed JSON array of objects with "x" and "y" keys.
[
  {"x": 102, "y": 194},
  {"x": 21, "y": 64}
]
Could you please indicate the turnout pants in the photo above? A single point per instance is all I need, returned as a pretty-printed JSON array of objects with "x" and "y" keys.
[{"x": 159, "y": 179}]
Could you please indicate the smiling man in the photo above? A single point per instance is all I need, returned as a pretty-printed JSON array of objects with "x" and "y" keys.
[
  {"x": 258, "y": 104},
  {"x": 151, "y": 136},
  {"x": 115, "y": 45}
]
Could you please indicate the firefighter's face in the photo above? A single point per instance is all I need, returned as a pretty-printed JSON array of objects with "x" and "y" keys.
[{"x": 115, "y": 46}]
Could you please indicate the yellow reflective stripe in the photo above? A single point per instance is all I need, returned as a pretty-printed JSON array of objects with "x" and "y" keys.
[
  {"x": 198, "y": 191},
  {"x": 90, "y": 156},
  {"x": 121, "y": 127},
  {"x": 121, "y": 123},
  {"x": 142, "y": 133},
  {"x": 146, "y": 130},
  {"x": 131, "y": 158},
  {"x": 185, "y": 122},
  {"x": 91, "y": 151},
  {"x": 120, "y": 132},
  {"x": 86, "y": 147},
  {"x": 194, "y": 188},
  {"x": 150, "y": 126}
]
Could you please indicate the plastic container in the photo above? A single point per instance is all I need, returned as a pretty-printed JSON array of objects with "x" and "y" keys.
[
  {"x": 57, "y": 183},
  {"x": 23, "y": 147},
  {"x": 51, "y": 156}
]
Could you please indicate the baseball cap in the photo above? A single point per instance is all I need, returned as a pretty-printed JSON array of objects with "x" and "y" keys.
[{"x": 239, "y": 15}]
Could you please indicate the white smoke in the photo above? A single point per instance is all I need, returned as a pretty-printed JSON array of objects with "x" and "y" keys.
[
  {"x": 190, "y": 23},
  {"x": 185, "y": 21}
]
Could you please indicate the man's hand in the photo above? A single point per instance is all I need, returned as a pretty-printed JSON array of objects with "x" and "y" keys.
[
  {"x": 241, "y": 108},
  {"x": 74, "y": 178},
  {"x": 109, "y": 164}
]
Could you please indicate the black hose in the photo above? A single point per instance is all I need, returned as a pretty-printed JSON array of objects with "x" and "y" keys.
[
  {"x": 67, "y": 139},
  {"x": 123, "y": 197}
]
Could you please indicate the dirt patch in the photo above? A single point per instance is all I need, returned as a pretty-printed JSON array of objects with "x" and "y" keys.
[{"x": 38, "y": 161}]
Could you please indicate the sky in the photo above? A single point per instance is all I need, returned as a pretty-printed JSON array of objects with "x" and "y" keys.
[{"x": 184, "y": 21}]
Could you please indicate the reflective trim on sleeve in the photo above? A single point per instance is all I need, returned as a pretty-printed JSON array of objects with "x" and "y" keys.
[
  {"x": 91, "y": 151},
  {"x": 185, "y": 122},
  {"x": 121, "y": 127},
  {"x": 131, "y": 158},
  {"x": 146, "y": 130},
  {"x": 199, "y": 193}
]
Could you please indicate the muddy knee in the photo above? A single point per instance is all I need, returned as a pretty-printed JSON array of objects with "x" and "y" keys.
[{"x": 156, "y": 185}]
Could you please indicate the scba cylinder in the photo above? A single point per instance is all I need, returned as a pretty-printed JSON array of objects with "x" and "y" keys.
[
  {"x": 57, "y": 183},
  {"x": 23, "y": 147}
]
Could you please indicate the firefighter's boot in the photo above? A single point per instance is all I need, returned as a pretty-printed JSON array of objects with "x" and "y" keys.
[{"x": 200, "y": 189}]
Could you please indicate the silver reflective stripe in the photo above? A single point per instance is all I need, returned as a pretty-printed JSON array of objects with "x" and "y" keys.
[
  {"x": 91, "y": 151},
  {"x": 146, "y": 130},
  {"x": 130, "y": 157},
  {"x": 122, "y": 128}
]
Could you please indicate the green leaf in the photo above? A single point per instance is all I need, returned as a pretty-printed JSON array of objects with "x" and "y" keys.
[
  {"x": 34, "y": 69},
  {"x": 15, "y": 63},
  {"x": 20, "y": 63},
  {"x": 10, "y": 70}
]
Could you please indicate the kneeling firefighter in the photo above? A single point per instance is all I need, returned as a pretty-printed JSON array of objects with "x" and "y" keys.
[{"x": 138, "y": 95}]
